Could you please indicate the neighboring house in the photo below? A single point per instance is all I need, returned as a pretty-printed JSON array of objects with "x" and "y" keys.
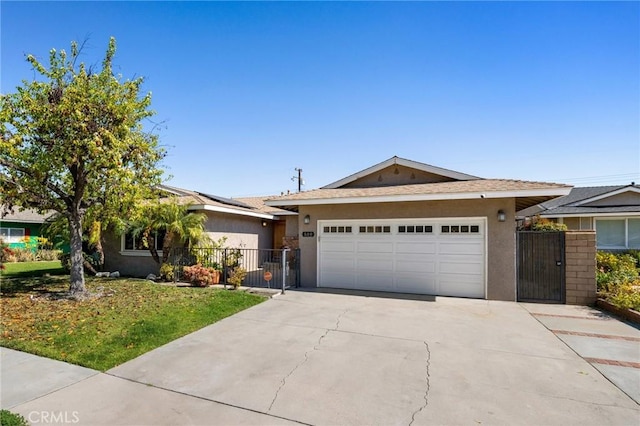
[
  {"x": 613, "y": 211},
  {"x": 408, "y": 227},
  {"x": 244, "y": 222},
  {"x": 16, "y": 226}
]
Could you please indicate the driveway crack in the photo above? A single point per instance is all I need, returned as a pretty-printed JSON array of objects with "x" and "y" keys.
[
  {"x": 306, "y": 358},
  {"x": 426, "y": 392}
]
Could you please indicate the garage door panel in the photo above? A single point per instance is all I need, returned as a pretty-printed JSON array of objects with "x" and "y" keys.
[
  {"x": 416, "y": 247},
  {"x": 459, "y": 287},
  {"x": 337, "y": 280},
  {"x": 423, "y": 267},
  {"x": 410, "y": 283},
  {"x": 461, "y": 247},
  {"x": 457, "y": 268},
  {"x": 375, "y": 247},
  {"x": 340, "y": 246},
  {"x": 375, "y": 281},
  {"x": 382, "y": 264}
]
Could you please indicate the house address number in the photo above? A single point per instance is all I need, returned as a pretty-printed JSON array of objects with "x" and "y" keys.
[{"x": 308, "y": 234}]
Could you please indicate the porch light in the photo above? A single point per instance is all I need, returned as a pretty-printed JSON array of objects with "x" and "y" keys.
[
  {"x": 502, "y": 216},
  {"x": 264, "y": 223},
  {"x": 307, "y": 219}
]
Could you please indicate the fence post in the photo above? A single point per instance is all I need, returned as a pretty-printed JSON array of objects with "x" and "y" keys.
[
  {"x": 224, "y": 267},
  {"x": 284, "y": 268}
]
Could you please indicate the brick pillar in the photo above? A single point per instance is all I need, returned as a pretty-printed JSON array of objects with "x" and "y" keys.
[{"x": 580, "y": 257}]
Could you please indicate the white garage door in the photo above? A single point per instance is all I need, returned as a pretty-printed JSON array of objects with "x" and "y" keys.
[{"x": 429, "y": 256}]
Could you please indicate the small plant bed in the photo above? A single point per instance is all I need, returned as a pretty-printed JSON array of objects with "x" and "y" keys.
[
  {"x": 131, "y": 318},
  {"x": 618, "y": 281},
  {"x": 32, "y": 269}
]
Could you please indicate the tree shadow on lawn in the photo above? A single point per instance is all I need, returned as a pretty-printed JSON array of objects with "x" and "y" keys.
[{"x": 45, "y": 284}]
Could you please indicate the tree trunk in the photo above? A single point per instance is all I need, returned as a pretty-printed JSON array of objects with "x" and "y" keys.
[
  {"x": 77, "y": 259},
  {"x": 166, "y": 248},
  {"x": 151, "y": 243}
]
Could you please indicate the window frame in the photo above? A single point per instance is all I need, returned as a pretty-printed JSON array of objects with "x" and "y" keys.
[
  {"x": 136, "y": 251},
  {"x": 626, "y": 233},
  {"x": 13, "y": 240}
]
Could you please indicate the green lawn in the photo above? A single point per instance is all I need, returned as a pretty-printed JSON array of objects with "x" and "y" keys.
[
  {"x": 132, "y": 318},
  {"x": 32, "y": 269}
]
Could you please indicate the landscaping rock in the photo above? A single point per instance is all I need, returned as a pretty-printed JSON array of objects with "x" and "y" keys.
[
  {"x": 102, "y": 274},
  {"x": 115, "y": 274},
  {"x": 152, "y": 277}
]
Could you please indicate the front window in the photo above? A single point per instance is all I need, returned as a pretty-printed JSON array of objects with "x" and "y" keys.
[
  {"x": 137, "y": 243},
  {"x": 618, "y": 233},
  {"x": 12, "y": 235}
]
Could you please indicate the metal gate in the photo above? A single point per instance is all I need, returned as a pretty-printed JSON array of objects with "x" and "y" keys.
[
  {"x": 283, "y": 266},
  {"x": 541, "y": 267}
]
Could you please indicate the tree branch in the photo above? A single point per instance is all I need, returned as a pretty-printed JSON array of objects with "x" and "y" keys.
[{"x": 49, "y": 185}]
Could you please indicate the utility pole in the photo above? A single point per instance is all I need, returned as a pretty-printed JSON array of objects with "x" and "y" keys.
[{"x": 298, "y": 178}]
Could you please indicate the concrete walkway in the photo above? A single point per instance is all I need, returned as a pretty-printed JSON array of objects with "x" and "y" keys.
[
  {"x": 314, "y": 358},
  {"x": 609, "y": 345}
]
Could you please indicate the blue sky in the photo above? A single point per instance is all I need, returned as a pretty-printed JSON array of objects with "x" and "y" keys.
[{"x": 248, "y": 91}]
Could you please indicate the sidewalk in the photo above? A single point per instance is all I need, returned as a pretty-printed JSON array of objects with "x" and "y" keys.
[{"x": 608, "y": 344}]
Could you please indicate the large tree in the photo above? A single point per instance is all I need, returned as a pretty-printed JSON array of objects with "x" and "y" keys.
[{"x": 72, "y": 140}]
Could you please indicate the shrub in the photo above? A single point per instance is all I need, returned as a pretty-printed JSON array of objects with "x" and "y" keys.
[
  {"x": 7, "y": 418},
  {"x": 546, "y": 225},
  {"x": 200, "y": 275},
  {"x": 48, "y": 254},
  {"x": 24, "y": 255},
  {"x": 626, "y": 296},
  {"x": 613, "y": 270},
  {"x": 166, "y": 272},
  {"x": 237, "y": 276},
  {"x": 5, "y": 253}
]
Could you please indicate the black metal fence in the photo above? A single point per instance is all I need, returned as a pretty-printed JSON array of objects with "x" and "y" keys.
[{"x": 264, "y": 268}]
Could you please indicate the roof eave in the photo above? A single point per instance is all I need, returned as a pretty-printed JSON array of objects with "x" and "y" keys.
[
  {"x": 220, "y": 209},
  {"x": 556, "y": 192}
]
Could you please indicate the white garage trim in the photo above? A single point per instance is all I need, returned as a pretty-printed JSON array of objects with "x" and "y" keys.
[{"x": 439, "y": 256}]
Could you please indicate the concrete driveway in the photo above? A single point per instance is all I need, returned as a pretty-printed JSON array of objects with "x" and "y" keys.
[{"x": 334, "y": 359}]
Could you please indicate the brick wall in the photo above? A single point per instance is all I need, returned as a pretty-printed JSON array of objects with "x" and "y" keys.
[{"x": 580, "y": 257}]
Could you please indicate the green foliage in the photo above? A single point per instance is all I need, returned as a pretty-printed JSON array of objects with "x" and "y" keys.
[
  {"x": 180, "y": 226},
  {"x": 545, "y": 225},
  {"x": 72, "y": 141},
  {"x": 167, "y": 272},
  {"x": 614, "y": 270},
  {"x": 5, "y": 254},
  {"x": 7, "y": 418},
  {"x": 236, "y": 277},
  {"x": 618, "y": 279},
  {"x": 626, "y": 296},
  {"x": 201, "y": 276}
]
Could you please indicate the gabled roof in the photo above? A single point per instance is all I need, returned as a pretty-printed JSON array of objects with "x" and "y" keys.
[
  {"x": 24, "y": 216},
  {"x": 526, "y": 193},
  {"x": 451, "y": 174},
  {"x": 578, "y": 203},
  {"x": 258, "y": 203},
  {"x": 253, "y": 206}
]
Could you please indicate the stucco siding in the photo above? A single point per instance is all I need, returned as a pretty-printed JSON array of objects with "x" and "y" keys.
[
  {"x": 139, "y": 265},
  {"x": 396, "y": 175},
  {"x": 501, "y": 240},
  {"x": 241, "y": 231}
]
